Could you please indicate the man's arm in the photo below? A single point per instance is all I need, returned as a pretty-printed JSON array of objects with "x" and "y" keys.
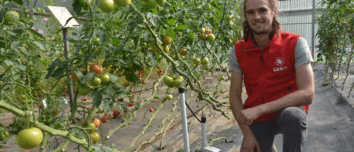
[
  {"x": 236, "y": 100},
  {"x": 302, "y": 97}
]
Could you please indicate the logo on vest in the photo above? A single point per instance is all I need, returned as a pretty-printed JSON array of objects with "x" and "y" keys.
[{"x": 280, "y": 62}]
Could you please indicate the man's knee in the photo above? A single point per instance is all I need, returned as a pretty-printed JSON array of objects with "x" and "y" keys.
[{"x": 293, "y": 116}]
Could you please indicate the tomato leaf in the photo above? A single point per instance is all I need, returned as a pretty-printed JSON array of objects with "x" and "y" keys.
[
  {"x": 152, "y": 18},
  {"x": 122, "y": 95},
  {"x": 97, "y": 97},
  {"x": 121, "y": 108},
  {"x": 179, "y": 4},
  {"x": 21, "y": 67},
  {"x": 171, "y": 22},
  {"x": 214, "y": 21},
  {"x": 52, "y": 68},
  {"x": 35, "y": 32},
  {"x": 112, "y": 77},
  {"x": 19, "y": 2},
  {"x": 181, "y": 27},
  {"x": 219, "y": 13},
  {"x": 89, "y": 56},
  {"x": 88, "y": 77},
  {"x": 113, "y": 146},
  {"x": 171, "y": 33},
  {"x": 77, "y": 7},
  {"x": 107, "y": 105},
  {"x": 152, "y": 58},
  {"x": 2, "y": 16},
  {"x": 40, "y": 45},
  {"x": 131, "y": 77},
  {"x": 101, "y": 148}
]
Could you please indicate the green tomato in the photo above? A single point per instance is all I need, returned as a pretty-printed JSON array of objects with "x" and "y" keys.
[
  {"x": 196, "y": 60},
  {"x": 2, "y": 137},
  {"x": 343, "y": 23},
  {"x": 107, "y": 5},
  {"x": 168, "y": 81},
  {"x": 222, "y": 91},
  {"x": 92, "y": 127},
  {"x": 95, "y": 137},
  {"x": 228, "y": 17},
  {"x": 8, "y": 17},
  {"x": 29, "y": 138},
  {"x": 152, "y": 4},
  {"x": 86, "y": 5},
  {"x": 207, "y": 68},
  {"x": 210, "y": 38},
  {"x": 96, "y": 41},
  {"x": 7, "y": 133},
  {"x": 205, "y": 61},
  {"x": 169, "y": 97},
  {"x": 180, "y": 77},
  {"x": 84, "y": 90},
  {"x": 207, "y": 6},
  {"x": 350, "y": 10},
  {"x": 177, "y": 82},
  {"x": 160, "y": 2},
  {"x": 123, "y": 3},
  {"x": 96, "y": 81},
  {"x": 104, "y": 78}
]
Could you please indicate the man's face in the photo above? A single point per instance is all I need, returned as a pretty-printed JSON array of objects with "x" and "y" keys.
[{"x": 259, "y": 16}]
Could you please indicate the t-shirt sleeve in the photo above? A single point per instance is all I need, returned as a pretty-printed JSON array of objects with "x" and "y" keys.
[
  {"x": 233, "y": 63},
  {"x": 302, "y": 53}
]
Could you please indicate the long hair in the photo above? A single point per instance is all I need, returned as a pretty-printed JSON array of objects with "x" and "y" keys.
[{"x": 247, "y": 31}]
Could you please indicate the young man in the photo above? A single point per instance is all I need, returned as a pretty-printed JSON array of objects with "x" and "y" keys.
[{"x": 276, "y": 68}]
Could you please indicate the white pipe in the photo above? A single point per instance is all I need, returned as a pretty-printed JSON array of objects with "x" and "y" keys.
[
  {"x": 204, "y": 140},
  {"x": 184, "y": 119}
]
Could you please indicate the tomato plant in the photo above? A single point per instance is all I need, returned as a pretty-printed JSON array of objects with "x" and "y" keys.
[{"x": 120, "y": 46}]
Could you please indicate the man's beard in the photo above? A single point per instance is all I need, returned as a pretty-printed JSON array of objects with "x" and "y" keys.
[{"x": 261, "y": 32}]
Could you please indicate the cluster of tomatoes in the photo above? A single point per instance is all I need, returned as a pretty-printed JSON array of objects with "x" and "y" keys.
[
  {"x": 116, "y": 113},
  {"x": 3, "y": 133},
  {"x": 97, "y": 69},
  {"x": 331, "y": 42},
  {"x": 204, "y": 32},
  {"x": 141, "y": 72},
  {"x": 47, "y": 115},
  {"x": 84, "y": 99},
  {"x": 92, "y": 130},
  {"x": 160, "y": 71},
  {"x": 103, "y": 118}
]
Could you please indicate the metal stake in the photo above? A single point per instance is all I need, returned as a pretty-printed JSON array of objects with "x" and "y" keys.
[{"x": 67, "y": 56}]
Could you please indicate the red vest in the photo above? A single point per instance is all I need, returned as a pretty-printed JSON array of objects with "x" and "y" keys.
[{"x": 269, "y": 74}]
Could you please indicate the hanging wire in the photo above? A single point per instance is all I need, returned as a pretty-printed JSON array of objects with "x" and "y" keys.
[{"x": 222, "y": 20}]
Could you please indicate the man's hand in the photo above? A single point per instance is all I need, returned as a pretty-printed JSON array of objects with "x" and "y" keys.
[
  {"x": 250, "y": 143},
  {"x": 247, "y": 116}
]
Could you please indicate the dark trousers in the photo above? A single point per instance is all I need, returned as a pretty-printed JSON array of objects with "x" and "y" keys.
[{"x": 291, "y": 122}]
